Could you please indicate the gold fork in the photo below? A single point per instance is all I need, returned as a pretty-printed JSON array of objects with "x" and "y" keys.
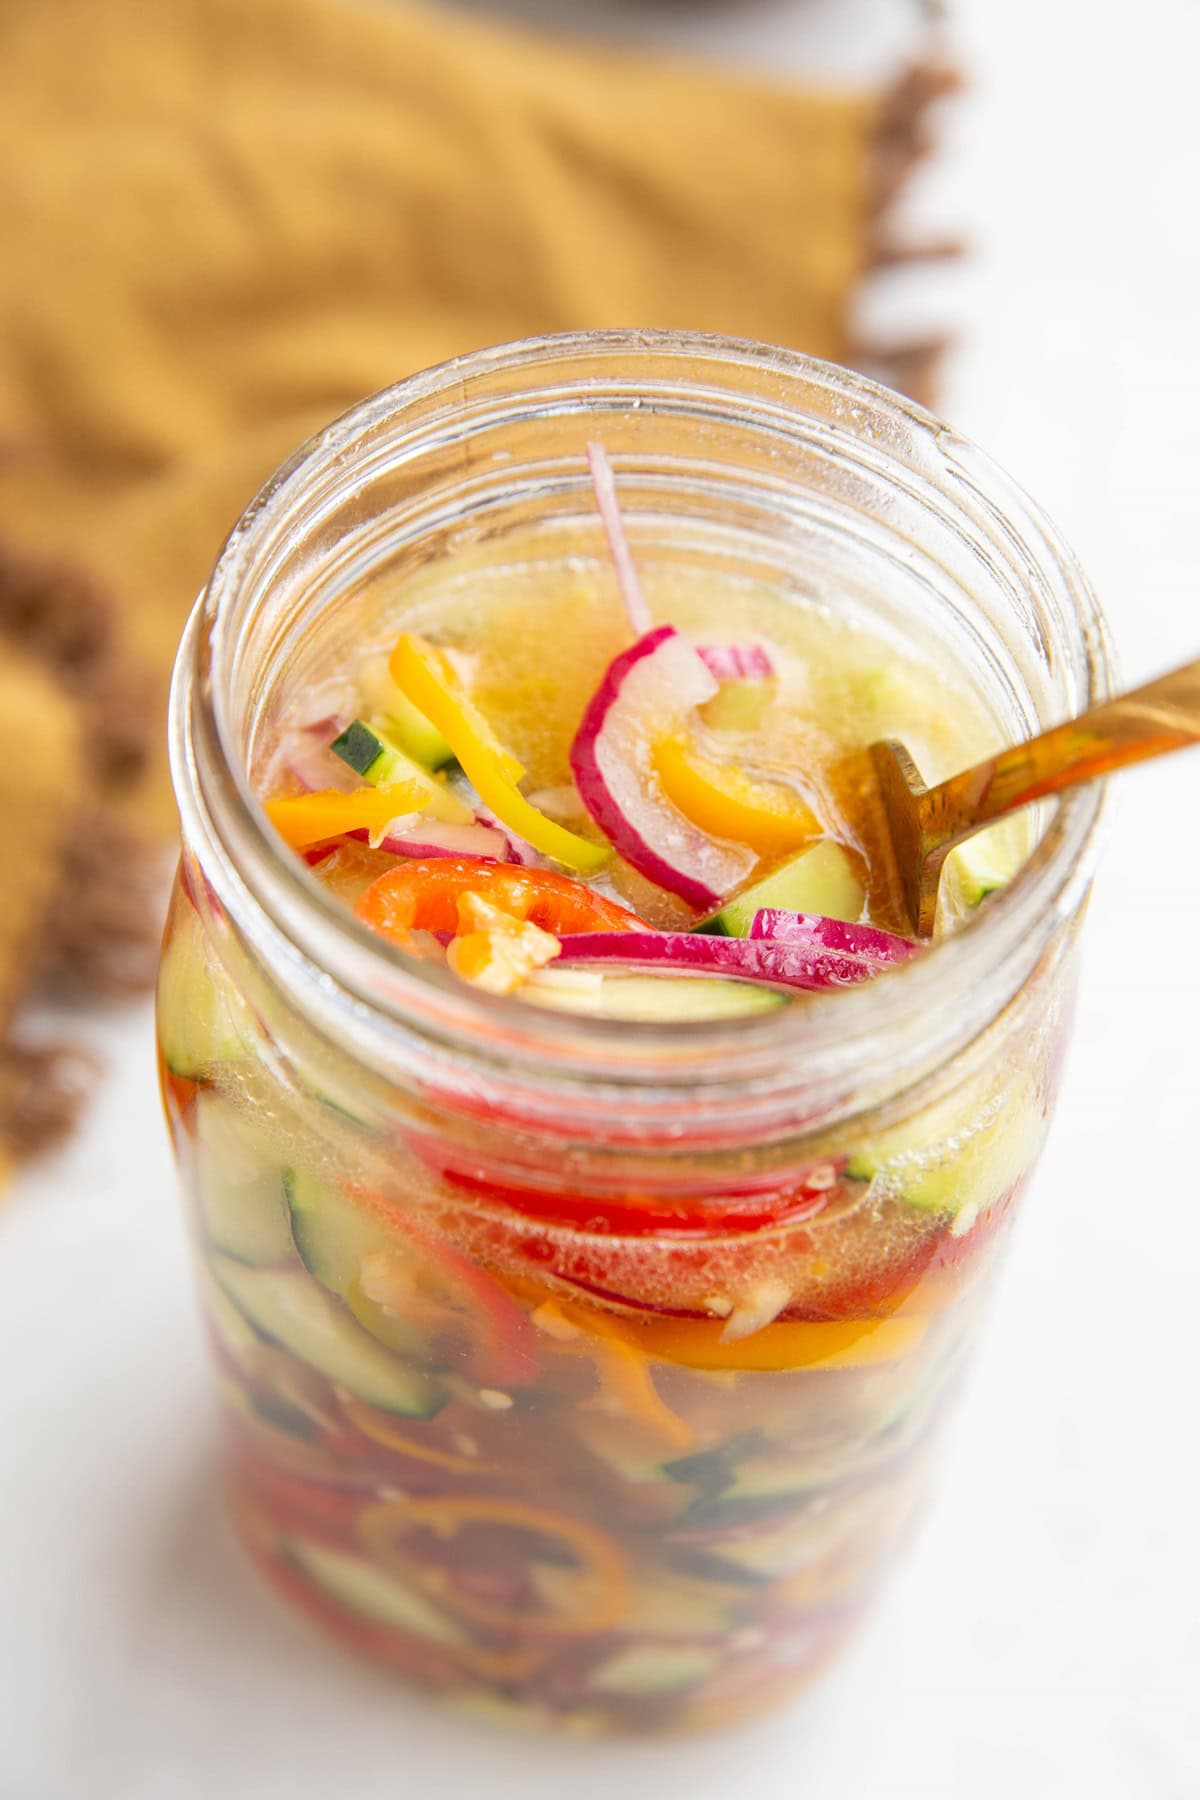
[{"x": 925, "y": 823}]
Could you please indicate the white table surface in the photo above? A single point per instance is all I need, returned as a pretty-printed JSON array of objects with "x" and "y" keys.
[{"x": 1044, "y": 1639}]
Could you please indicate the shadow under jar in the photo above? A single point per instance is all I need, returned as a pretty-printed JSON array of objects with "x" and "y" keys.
[{"x": 547, "y": 1480}]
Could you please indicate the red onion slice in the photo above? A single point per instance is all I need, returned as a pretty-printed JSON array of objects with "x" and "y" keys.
[
  {"x": 434, "y": 837},
  {"x": 644, "y": 697},
  {"x": 605, "y": 489},
  {"x": 303, "y": 757},
  {"x": 882, "y": 949},
  {"x": 518, "y": 850},
  {"x": 777, "y": 964},
  {"x": 736, "y": 662}
]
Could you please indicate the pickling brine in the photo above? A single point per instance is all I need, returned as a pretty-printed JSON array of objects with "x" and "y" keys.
[{"x": 570, "y": 1406}]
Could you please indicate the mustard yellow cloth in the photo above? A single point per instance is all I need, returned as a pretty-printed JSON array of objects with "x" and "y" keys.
[{"x": 224, "y": 221}]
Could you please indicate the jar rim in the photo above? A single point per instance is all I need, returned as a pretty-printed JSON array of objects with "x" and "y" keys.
[{"x": 393, "y": 1008}]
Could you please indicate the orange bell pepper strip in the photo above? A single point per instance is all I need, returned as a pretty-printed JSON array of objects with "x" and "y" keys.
[
  {"x": 727, "y": 803},
  {"x": 381, "y": 1430},
  {"x": 425, "y": 675},
  {"x": 312, "y": 818},
  {"x": 598, "y": 1555},
  {"x": 624, "y": 1374}
]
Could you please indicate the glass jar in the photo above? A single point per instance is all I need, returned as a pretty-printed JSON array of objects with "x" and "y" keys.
[{"x": 582, "y": 1370}]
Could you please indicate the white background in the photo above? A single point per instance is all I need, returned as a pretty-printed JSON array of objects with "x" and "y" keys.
[{"x": 1044, "y": 1639}]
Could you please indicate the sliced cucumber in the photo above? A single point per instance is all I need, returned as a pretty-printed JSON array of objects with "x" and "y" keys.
[
  {"x": 417, "y": 734},
  {"x": 284, "y": 1415},
  {"x": 713, "y": 1512},
  {"x": 240, "y": 1183},
  {"x": 374, "y": 1593},
  {"x": 202, "y": 1023},
  {"x": 634, "y": 1457},
  {"x": 716, "y": 1469},
  {"x": 331, "y": 1231},
  {"x": 699, "y": 1563},
  {"x": 980, "y": 867},
  {"x": 366, "y": 751},
  {"x": 821, "y": 879},
  {"x": 228, "y": 1321},
  {"x": 758, "y": 1485},
  {"x": 405, "y": 723},
  {"x": 738, "y": 705},
  {"x": 765, "y": 1556},
  {"x": 646, "y": 998},
  {"x": 666, "y": 1607},
  {"x": 652, "y": 1669},
  {"x": 762, "y": 1477},
  {"x": 287, "y": 1306},
  {"x": 372, "y": 752},
  {"x": 960, "y": 1159},
  {"x": 880, "y": 697}
]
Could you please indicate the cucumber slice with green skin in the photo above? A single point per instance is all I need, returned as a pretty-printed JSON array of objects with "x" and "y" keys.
[
  {"x": 758, "y": 1485},
  {"x": 699, "y": 1564},
  {"x": 648, "y": 998},
  {"x": 765, "y": 1557},
  {"x": 820, "y": 880},
  {"x": 330, "y": 1230},
  {"x": 365, "y": 751},
  {"x": 981, "y": 866},
  {"x": 716, "y": 1469},
  {"x": 738, "y": 705},
  {"x": 374, "y": 1593},
  {"x": 954, "y": 1166},
  {"x": 769, "y": 1477},
  {"x": 377, "y": 753},
  {"x": 240, "y": 1184},
  {"x": 416, "y": 734},
  {"x": 405, "y": 723},
  {"x": 715, "y": 1512},
  {"x": 202, "y": 1023},
  {"x": 666, "y": 1607},
  {"x": 272, "y": 1409},
  {"x": 230, "y": 1324},
  {"x": 287, "y": 1306},
  {"x": 652, "y": 1669},
  {"x": 663, "y": 1605},
  {"x": 373, "y": 754},
  {"x": 629, "y": 1455}
]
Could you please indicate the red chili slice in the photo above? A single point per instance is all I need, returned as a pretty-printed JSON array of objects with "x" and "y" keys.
[
  {"x": 302, "y": 1508},
  {"x": 636, "y": 1215},
  {"x": 424, "y": 895}
]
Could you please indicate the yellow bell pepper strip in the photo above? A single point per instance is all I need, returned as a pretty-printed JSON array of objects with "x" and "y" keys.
[
  {"x": 727, "y": 803},
  {"x": 698, "y": 1344},
  {"x": 381, "y": 1430},
  {"x": 601, "y": 1559},
  {"x": 311, "y": 818},
  {"x": 413, "y": 659},
  {"x": 625, "y": 1377},
  {"x": 799, "y": 1344},
  {"x": 425, "y": 675}
]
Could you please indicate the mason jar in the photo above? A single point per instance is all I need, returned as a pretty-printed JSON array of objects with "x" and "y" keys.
[{"x": 589, "y": 1372}]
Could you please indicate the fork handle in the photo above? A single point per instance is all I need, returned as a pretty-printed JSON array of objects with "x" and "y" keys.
[{"x": 1152, "y": 720}]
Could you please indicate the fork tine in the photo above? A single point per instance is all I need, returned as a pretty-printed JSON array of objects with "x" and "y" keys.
[{"x": 900, "y": 786}]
